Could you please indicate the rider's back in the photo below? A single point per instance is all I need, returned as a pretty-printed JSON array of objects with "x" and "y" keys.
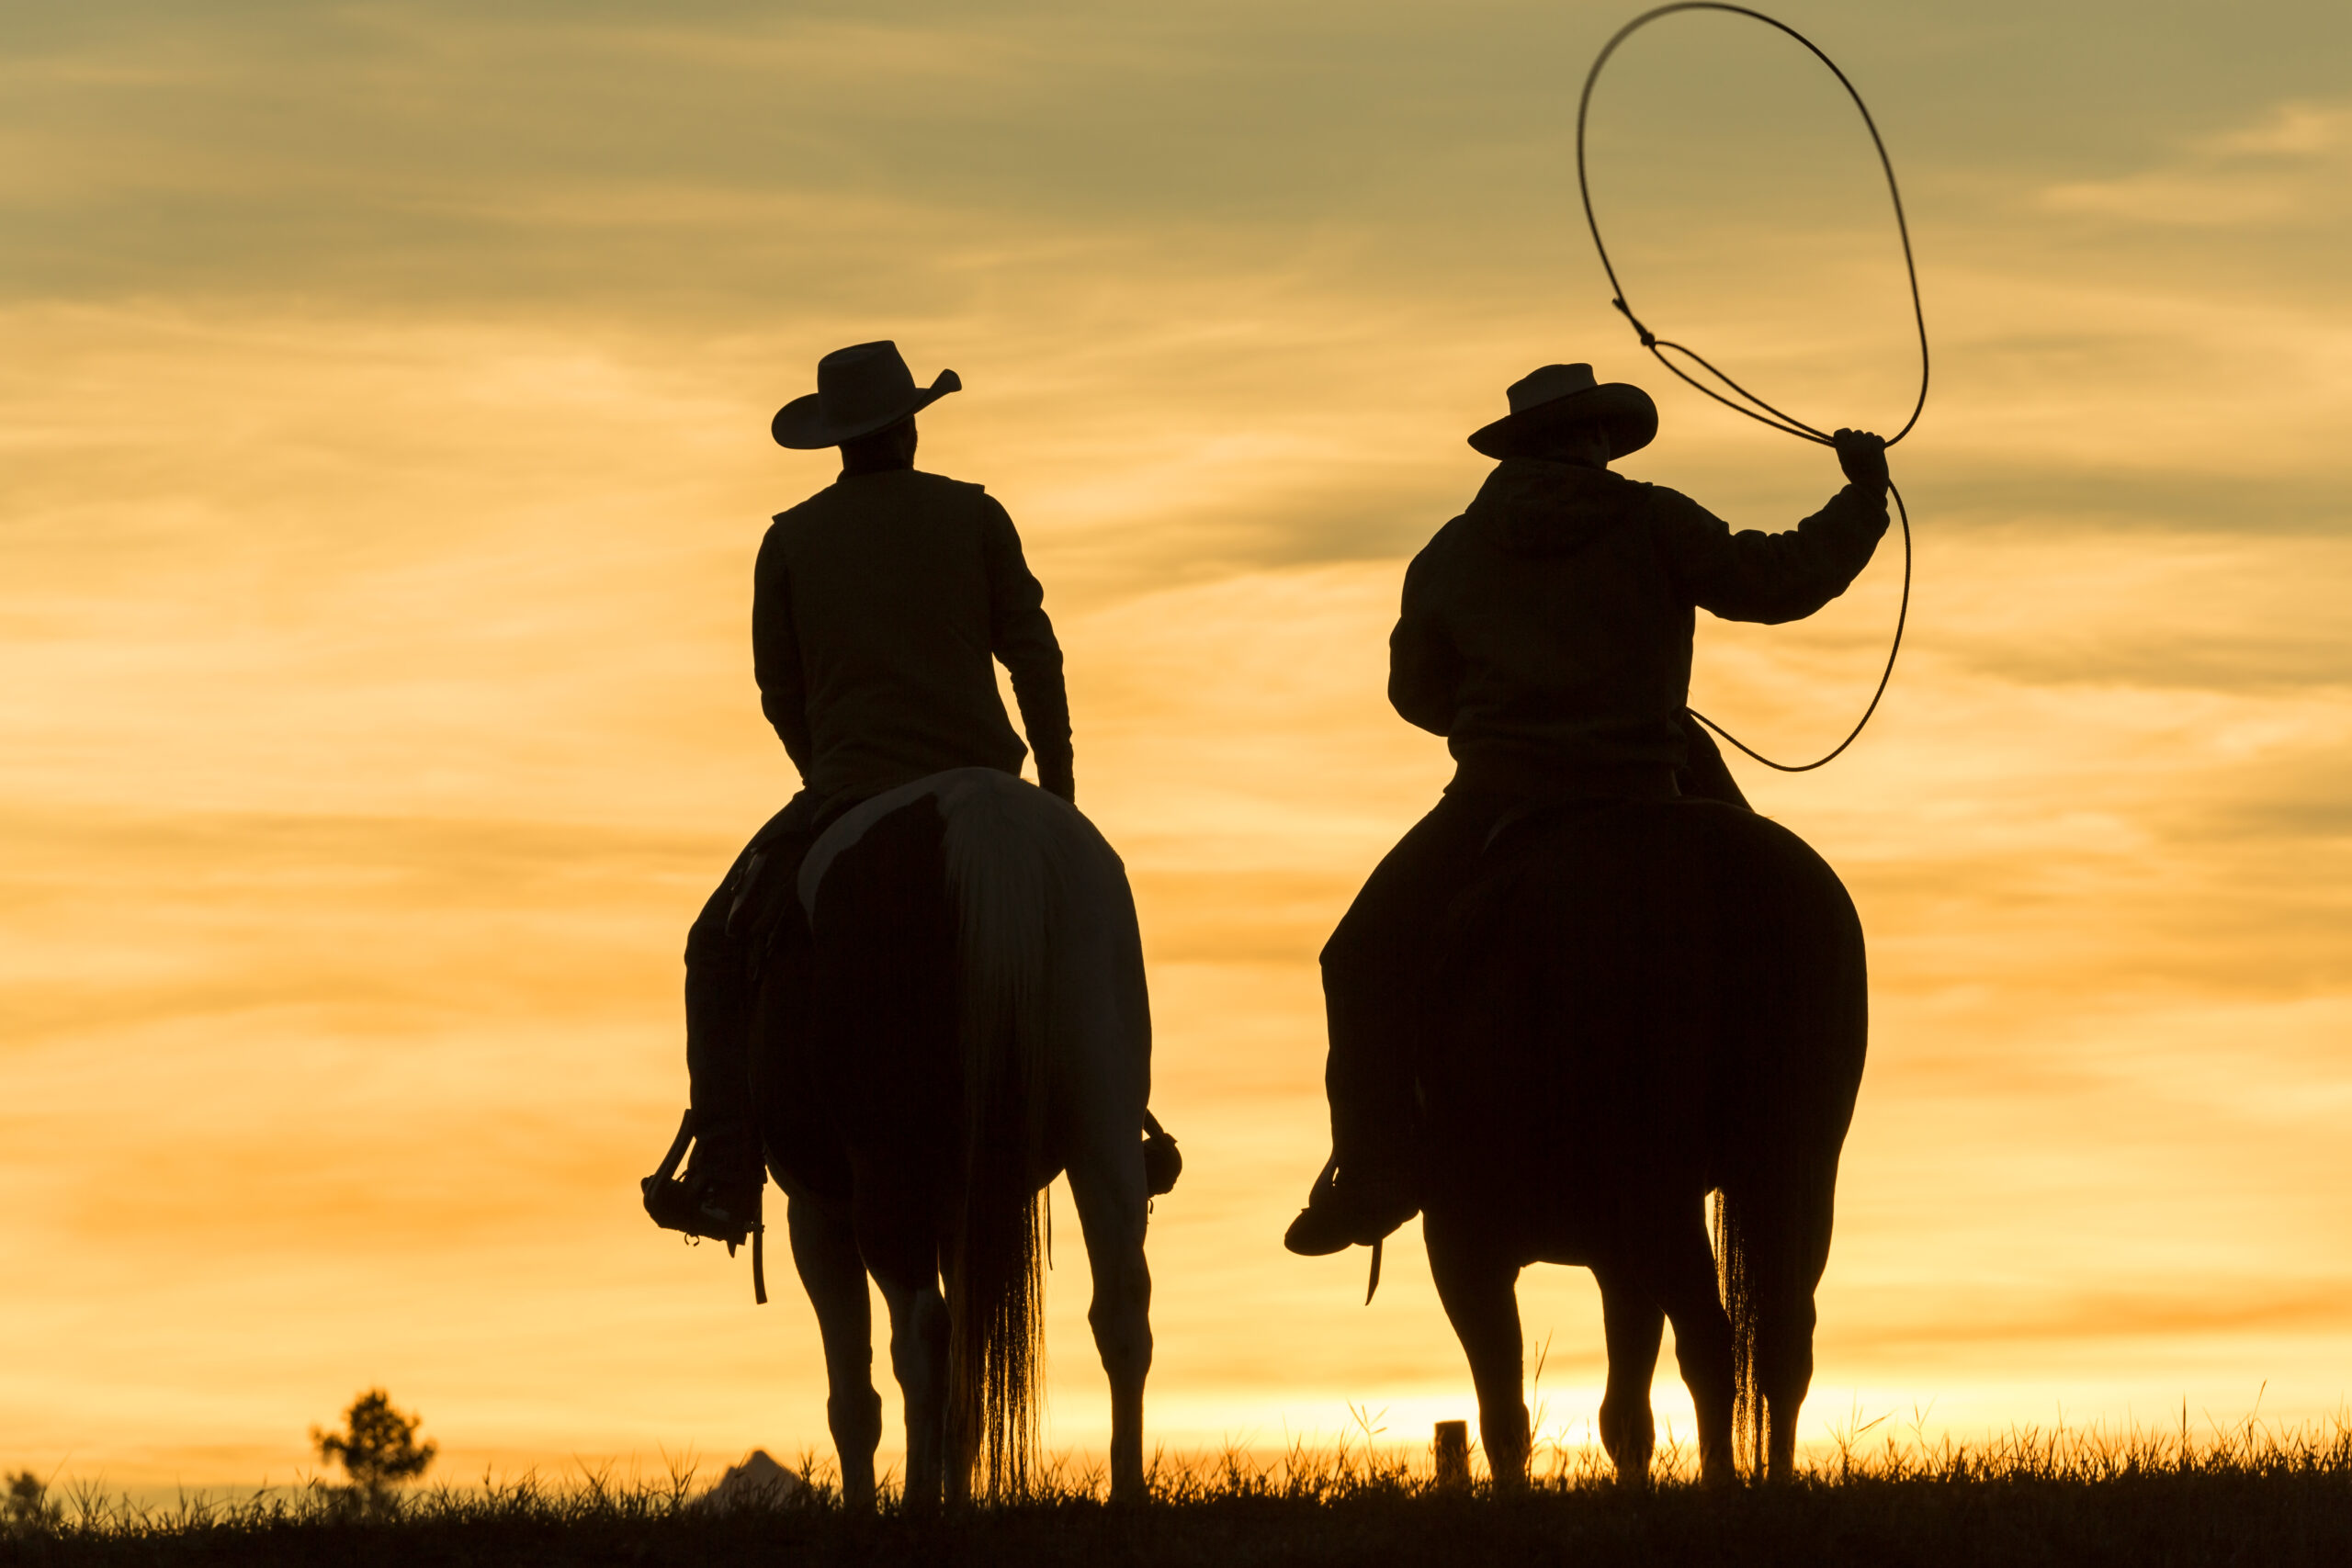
[
  {"x": 881, "y": 602},
  {"x": 1546, "y": 631}
]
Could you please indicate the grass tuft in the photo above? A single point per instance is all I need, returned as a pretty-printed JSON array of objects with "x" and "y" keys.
[{"x": 2254, "y": 1493}]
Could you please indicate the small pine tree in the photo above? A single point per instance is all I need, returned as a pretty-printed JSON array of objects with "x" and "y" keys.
[{"x": 377, "y": 1449}]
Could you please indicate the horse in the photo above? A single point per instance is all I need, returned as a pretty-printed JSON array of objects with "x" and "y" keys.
[
  {"x": 1645, "y": 1004},
  {"x": 965, "y": 1020}
]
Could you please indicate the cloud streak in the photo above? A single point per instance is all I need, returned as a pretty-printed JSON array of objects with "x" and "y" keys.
[{"x": 2288, "y": 168}]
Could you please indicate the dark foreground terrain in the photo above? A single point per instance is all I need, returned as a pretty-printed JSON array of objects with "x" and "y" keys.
[{"x": 2028, "y": 1501}]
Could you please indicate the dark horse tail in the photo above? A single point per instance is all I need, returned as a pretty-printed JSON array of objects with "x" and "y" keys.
[
  {"x": 1796, "y": 943},
  {"x": 1006, "y": 853}
]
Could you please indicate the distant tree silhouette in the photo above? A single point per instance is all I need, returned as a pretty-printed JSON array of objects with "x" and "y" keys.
[
  {"x": 28, "y": 1503},
  {"x": 377, "y": 1449}
]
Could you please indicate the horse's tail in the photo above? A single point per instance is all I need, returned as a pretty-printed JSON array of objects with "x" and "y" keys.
[
  {"x": 1006, "y": 861},
  {"x": 1771, "y": 1240},
  {"x": 1735, "y": 1269},
  {"x": 1807, "y": 998}
]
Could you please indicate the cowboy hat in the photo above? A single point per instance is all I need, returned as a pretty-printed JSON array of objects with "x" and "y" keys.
[
  {"x": 860, "y": 390},
  {"x": 1567, "y": 394}
]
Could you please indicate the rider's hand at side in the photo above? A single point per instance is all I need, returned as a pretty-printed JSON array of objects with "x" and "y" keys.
[{"x": 1862, "y": 455}]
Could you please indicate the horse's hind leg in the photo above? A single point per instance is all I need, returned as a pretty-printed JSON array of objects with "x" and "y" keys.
[
  {"x": 1479, "y": 1290},
  {"x": 1634, "y": 1326},
  {"x": 824, "y": 1249},
  {"x": 919, "y": 1359},
  {"x": 1681, "y": 1278},
  {"x": 1784, "y": 1376},
  {"x": 1108, "y": 1187},
  {"x": 1793, "y": 1253},
  {"x": 902, "y": 1256}
]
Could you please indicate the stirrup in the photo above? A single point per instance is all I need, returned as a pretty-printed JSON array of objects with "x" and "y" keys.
[
  {"x": 1338, "y": 1217},
  {"x": 1161, "y": 1164},
  {"x": 677, "y": 1205}
]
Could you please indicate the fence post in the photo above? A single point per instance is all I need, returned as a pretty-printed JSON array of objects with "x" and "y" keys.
[{"x": 1452, "y": 1445}]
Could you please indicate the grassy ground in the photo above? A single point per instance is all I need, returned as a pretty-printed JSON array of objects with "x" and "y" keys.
[{"x": 2254, "y": 1497}]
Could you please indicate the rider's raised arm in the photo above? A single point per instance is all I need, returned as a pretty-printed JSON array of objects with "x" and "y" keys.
[
  {"x": 1022, "y": 637},
  {"x": 775, "y": 655},
  {"x": 1753, "y": 576},
  {"x": 1424, "y": 667}
]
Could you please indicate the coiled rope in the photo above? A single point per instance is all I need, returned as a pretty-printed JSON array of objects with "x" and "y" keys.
[{"x": 1741, "y": 399}]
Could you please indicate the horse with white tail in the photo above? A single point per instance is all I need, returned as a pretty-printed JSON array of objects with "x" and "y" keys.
[{"x": 970, "y": 1022}]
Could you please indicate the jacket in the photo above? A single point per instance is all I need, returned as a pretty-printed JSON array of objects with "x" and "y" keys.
[
  {"x": 1546, "y": 631},
  {"x": 879, "y": 606}
]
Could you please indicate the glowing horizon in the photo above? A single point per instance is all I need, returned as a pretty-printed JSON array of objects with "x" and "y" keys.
[{"x": 386, "y": 411}]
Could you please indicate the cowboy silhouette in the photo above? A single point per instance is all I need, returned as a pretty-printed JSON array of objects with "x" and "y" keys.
[
  {"x": 879, "y": 606},
  {"x": 1546, "y": 633}
]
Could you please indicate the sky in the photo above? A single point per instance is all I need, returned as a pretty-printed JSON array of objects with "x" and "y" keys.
[{"x": 383, "y": 406}]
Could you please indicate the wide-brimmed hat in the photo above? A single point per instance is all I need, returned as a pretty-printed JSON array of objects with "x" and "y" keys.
[
  {"x": 1567, "y": 394},
  {"x": 860, "y": 390}
]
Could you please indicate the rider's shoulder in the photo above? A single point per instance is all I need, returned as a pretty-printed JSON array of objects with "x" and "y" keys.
[
  {"x": 1663, "y": 503},
  {"x": 940, "y": 484},
  {"x": 1651, "y": 490},
  {"x": 799, "y": 509},
  {"x": 1448, "y": 542},
  {"x": 897, "y": 488},
  {"x": 1625, "y": 487},
  {"x": 912, "y": 488}
]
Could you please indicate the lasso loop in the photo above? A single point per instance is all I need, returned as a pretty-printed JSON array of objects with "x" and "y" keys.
[{"x": 1741, "y": 401}]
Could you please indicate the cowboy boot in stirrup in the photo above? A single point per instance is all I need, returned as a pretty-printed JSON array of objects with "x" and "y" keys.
[
  {"x": 1350, "y": 1206},
  {"x": 1162, "y": 1163},
  {"x": 719, "y": 1196}
]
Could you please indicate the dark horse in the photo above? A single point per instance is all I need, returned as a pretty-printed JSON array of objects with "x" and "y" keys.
[
  {"x": 975, "y": 1024},
  {"x": 1646, "y": 1003}
]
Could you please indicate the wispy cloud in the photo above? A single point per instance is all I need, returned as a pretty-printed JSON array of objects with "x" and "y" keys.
[{"x": 2288, "y": 168}]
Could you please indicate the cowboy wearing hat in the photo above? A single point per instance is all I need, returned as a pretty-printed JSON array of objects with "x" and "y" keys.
[
  {"x": 1546, "y": 634},
  {"x": 881, "y": 606}
]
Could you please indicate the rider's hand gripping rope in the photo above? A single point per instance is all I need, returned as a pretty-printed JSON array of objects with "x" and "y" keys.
[{"x": 1742, "y": 400}]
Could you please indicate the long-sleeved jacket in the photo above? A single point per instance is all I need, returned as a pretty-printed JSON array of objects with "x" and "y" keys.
[
  {"x": 1546, "y": 631},
  {"x": 878, "y": 604}
]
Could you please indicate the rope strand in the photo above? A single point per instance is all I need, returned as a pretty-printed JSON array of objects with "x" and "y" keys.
[{"x": 1741, "y": 401}]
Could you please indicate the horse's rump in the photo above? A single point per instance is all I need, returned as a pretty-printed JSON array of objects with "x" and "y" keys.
[{"x": 1622, "y": 994}]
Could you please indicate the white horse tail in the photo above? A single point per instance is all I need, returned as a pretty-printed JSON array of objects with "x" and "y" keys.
[{"x": 1012, "y": 854}]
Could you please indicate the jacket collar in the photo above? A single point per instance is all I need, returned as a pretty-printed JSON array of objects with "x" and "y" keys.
[{"x": 1534, "y": 507}]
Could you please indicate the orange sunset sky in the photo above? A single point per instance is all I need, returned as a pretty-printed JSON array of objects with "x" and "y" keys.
[{"x": 383, "y": 404}]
